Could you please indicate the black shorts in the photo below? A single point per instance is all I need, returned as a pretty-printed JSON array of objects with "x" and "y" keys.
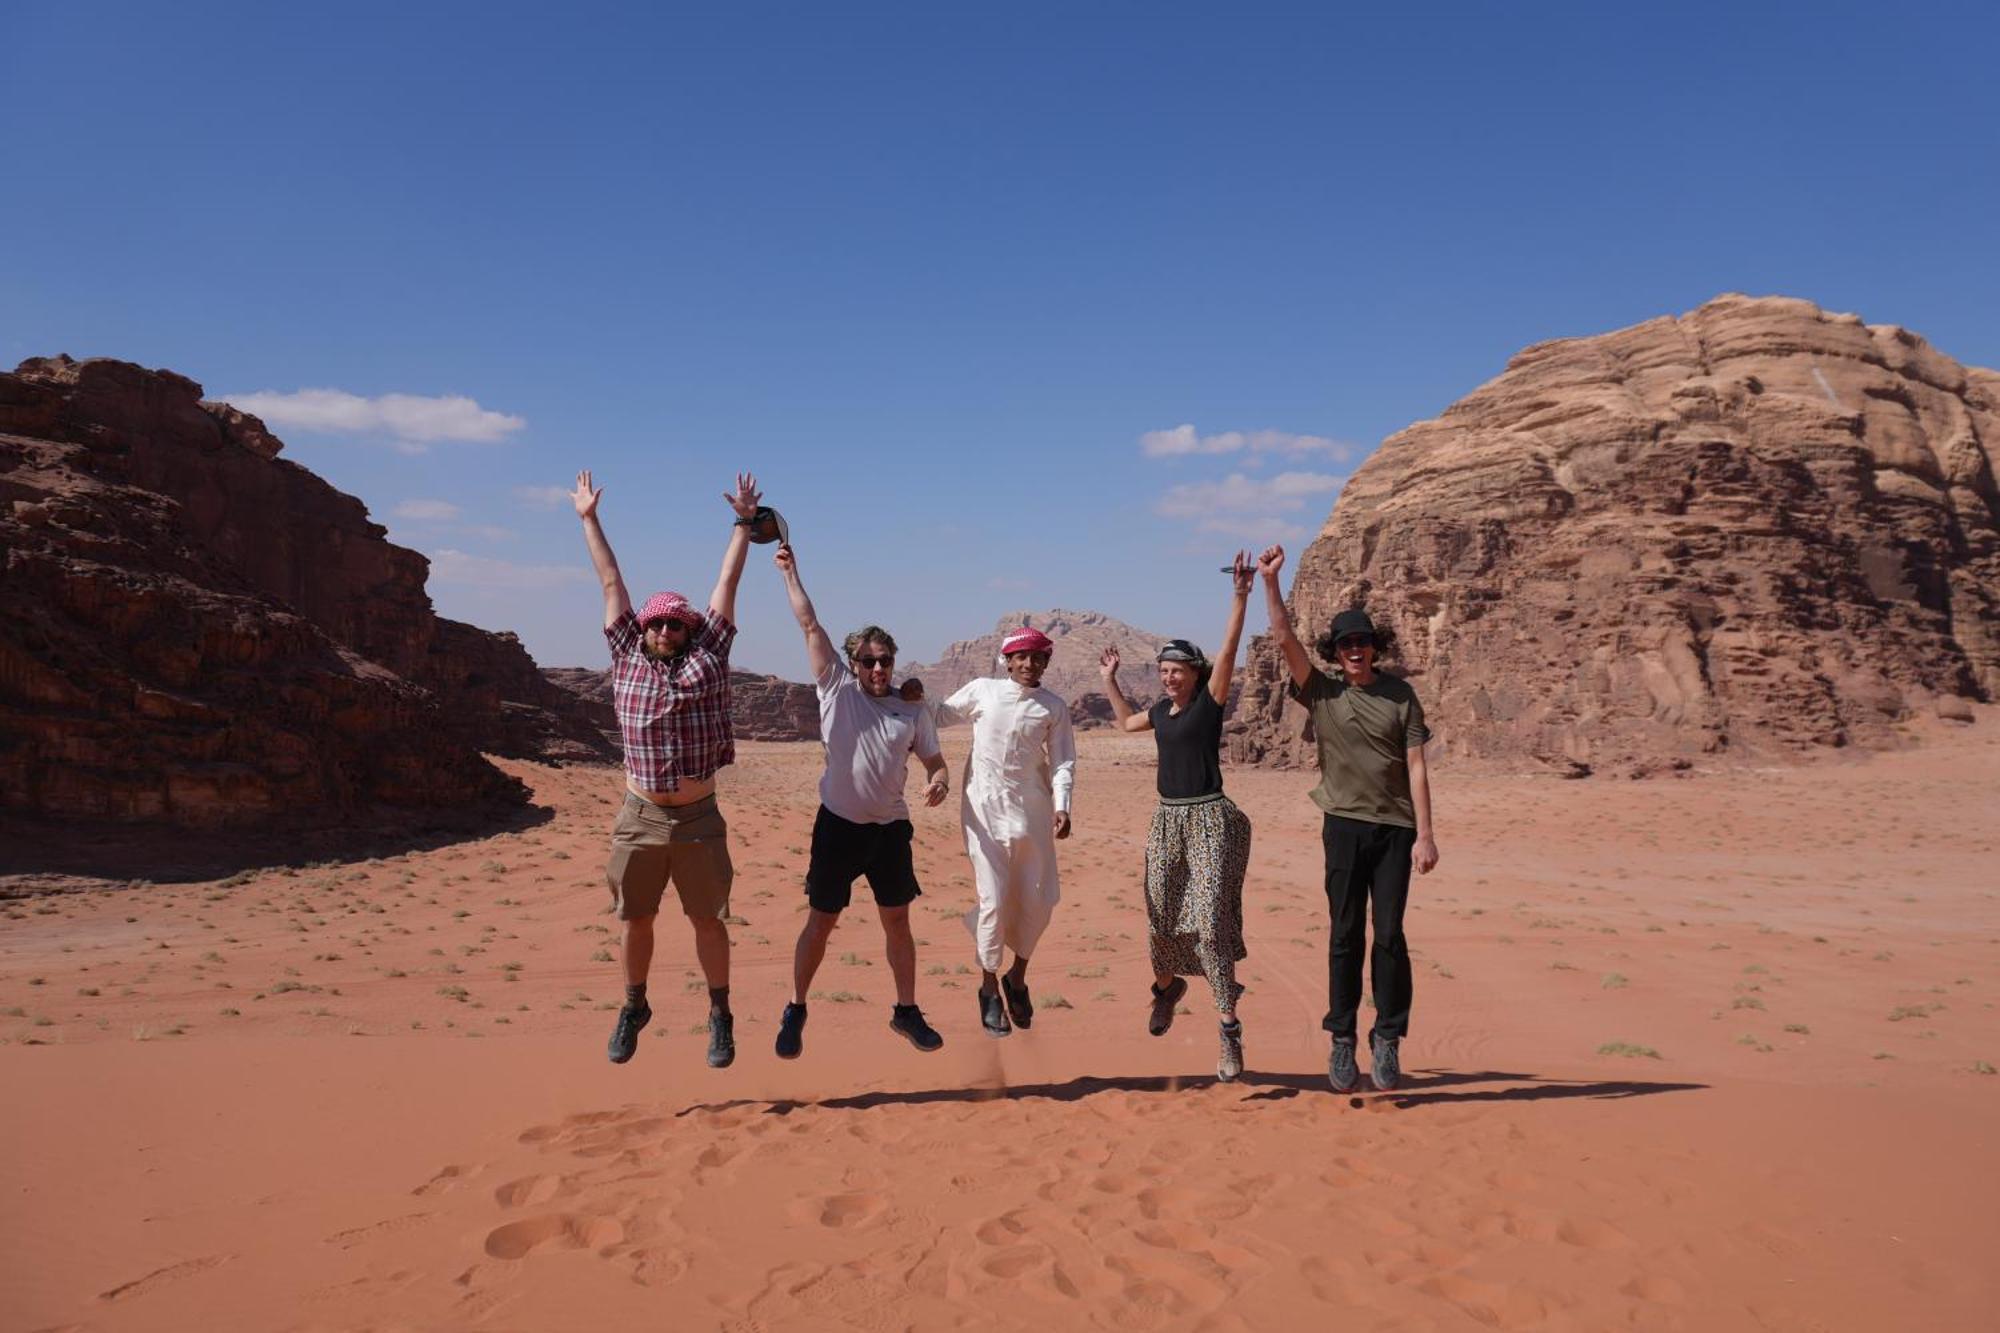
[{"x": 841, "y": 850}]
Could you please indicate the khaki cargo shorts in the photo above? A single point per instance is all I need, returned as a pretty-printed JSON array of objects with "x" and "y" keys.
[{"x": 651, "y": 844}]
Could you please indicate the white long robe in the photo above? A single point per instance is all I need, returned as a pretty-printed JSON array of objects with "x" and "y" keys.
[{"x": 1019, "y": 772}]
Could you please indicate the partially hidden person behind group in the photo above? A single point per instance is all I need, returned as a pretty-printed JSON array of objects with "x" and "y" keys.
[
  {"x": 1014, "y": 806},
  {"x": 1198, "y": 848},
  {"x": 863, "y": 826},
  {"x": 670, "y": 687},
  {"x": 1374, "y": 796}
]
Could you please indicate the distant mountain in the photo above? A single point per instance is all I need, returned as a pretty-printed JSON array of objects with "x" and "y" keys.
[{"x": 1080, "y": 637}]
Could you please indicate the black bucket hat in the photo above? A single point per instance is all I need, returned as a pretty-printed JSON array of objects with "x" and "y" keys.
[{"x": 1350, "y": 622}]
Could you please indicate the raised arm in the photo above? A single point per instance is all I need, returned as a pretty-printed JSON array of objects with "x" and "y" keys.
[
  {"x": 1121, "y": 707},
  {"x": 1296, "y": 661},
  {"x": 616, "y": 600},
  {"x": 819, "y": 648},
  {"x": 744, "y": 501},
  {"x": 1241, "y": 575}
]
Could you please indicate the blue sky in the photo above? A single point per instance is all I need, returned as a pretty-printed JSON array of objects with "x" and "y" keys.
[{"x": 937, "y": 273}]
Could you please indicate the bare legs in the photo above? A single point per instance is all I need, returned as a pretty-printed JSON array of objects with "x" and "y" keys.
[
  {"x": 638, "y": 949},
  {"x": 1017, "y": 977},
  {"x": 898, "y": 944}
]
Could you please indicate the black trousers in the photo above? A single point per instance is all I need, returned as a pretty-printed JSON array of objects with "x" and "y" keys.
[{"x": 1367, "y": 863}]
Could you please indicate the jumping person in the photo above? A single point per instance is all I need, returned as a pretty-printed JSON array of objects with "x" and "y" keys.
[
  {"x": 1374, "y": 795},
  {"x": 1014, "y": 807},
  {"x": 1198, "y": 848},
  {"x": 863, "y": 826},
  {"x": 670, "y": 684}
]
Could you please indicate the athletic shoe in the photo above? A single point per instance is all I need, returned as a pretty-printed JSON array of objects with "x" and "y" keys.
[
  {"x": 625, "y": 1037},
  {"x": 721, "y": 1039},
  {"x": 1341, "y": 1071},
  {"x": 792, "y": 1032},
  {"x": 1163, "y": 1006},
  {"x": 1384, "y": 1067},
  {"x": 1019, "y": 1007},
  {"x": 909, "y": 1020},
  {"x": 993, "y": 1014},
  {"x": 1229, "y": 1066}
]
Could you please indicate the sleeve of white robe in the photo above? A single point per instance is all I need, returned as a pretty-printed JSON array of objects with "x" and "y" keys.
[
  {"x": 1062, "y": 758},
  {"x": 960, "y": 707}
]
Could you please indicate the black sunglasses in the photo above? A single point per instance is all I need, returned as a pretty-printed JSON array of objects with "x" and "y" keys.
[{"x": 888, "y": 661}]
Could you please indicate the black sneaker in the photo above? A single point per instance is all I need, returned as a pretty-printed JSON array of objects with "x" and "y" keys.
[
  {"x": 1385, "y": 1067},
  {"x": 1163, "y": 1006},
  {"x": 1229, "y": 1065},
  {"x": 1341, "y": 1071},
  {"x": 625, "y": 1037},
  {"x": 993, "y": 1014},
  {"x": 1019, "y": 1007},
  {"x": 909, "y": 1020},
  {"x": 721, "y": 1039},
  {"x": 792, "y": 1032}
]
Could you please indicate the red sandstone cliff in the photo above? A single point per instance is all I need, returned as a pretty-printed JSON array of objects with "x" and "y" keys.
[
  {"x": 200, "y": 633},
  {"x": 1751, "y": 530}
]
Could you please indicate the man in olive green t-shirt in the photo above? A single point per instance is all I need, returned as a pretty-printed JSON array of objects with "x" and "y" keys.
[{"x": 1375, "y": 826}]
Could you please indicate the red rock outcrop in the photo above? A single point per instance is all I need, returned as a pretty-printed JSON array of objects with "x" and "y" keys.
[
  {"x": 1750, "y": 531},
  {"x": 1080, "y": 637},
  {"x": 761, "y": 708},
  {"x": 202, "y": 634}
]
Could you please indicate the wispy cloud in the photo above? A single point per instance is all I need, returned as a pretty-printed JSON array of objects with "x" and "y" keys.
[
  {"x": 546, "y": 496},
  {"x": 478, "y": 571},
  {"x": 1254, "y": 529},
  {"x": 1238, "y": 494},
  {"x": 491, "y": 532},
  {"x": 426, "y": 511},
  {"x": 1183, "y": 441},
  {"x": 410, "y": 418}
]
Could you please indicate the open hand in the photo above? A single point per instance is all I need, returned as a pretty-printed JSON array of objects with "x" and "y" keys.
[
  {"x": 745, "y": 499},
  {"x": 584, "y": 497},
  {"x": 1242, "y": 572},
  {"x": 1107, "y": 663}
]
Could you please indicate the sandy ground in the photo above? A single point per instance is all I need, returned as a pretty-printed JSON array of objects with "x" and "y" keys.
[{"x": 1711, "y": 1053}]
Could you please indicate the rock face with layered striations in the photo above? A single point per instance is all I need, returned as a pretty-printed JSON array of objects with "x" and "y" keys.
[
  {"x": 1752, "y": 531},
  {"x": 199, "y": 633},
  {"x": 1080, "y": 637}
]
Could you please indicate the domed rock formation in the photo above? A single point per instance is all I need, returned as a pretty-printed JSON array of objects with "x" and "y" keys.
[
  {"x": 1080, "y": 638},
  {"x": 1749, "y": 531},
  {"x": 198, "y": 633}
]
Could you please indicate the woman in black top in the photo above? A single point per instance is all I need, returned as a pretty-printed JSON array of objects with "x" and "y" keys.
[{"x": 1199, "y": 846}]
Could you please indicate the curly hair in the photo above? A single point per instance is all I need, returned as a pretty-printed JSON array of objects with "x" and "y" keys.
[
  {"x": 868, "y": 634},
  {"x": 1385, "y": 645}
]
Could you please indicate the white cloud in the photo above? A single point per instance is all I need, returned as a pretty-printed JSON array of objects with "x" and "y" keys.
[
  {"x": 427, "y": 511},
  {"x": 546, "y": 496},
  {"x": 1253, "y": 529},
  {"x": 491, "y": 532},
  {"x": 1238, "y": 494},
  {"x": 1182, "y": 441},
  {"x": 478, "y": 571},
  {"x": 410, "y": 418}
]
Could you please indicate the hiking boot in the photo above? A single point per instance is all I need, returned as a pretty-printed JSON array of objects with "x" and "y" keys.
[
  {"x": 1019, "y": 1007},
  {"x": 1229, "y": 1065},
  {"x": 625, "y": 1037},
  {"x": 1164, "y": 1001},
  {"x": 909, "y": 1020},
  {"x": 1385, "y": 1067},
  {"x": 1341, "y": 1071},
  {"x": 792, "y": 1032},
  {"x": 993, "y": 1014},
  {"x": 721, "y": 1039}
]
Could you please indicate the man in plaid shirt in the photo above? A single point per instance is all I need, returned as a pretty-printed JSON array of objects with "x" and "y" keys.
[{"x": 670, "y": 681}]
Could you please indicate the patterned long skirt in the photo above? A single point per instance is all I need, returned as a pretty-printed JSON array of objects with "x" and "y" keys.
[{"x": 1197, "y": 853}]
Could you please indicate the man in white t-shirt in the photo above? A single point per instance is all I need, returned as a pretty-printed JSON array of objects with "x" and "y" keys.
[{"x": 863, "y": 826}]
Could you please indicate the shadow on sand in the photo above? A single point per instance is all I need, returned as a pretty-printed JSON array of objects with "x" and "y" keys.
[
  {"x": 1435, "y": 1088},
  {"x": 37, "y": 858}
]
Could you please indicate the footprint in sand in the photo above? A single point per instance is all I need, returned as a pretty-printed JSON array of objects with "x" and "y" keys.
[
  {"x": 159, "y": 1277},
  {"x": 528, "y": 1191},
  {"x": 850, "y": 1211},
  {"x": 1655, "y": 1287},
  {"x": 558, "y": 1231},
  {"x": 448, "y": 1178},
  {"x": 1491, "y": 1303}
]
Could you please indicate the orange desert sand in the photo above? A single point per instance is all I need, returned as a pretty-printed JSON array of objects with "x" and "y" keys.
[{"x": 1706, "y": 1054}]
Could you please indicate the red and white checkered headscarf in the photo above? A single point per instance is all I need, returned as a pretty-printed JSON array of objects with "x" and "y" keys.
[
  {"x": 1026, "y": 639},
  {"x": 669, "y": 606}
]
